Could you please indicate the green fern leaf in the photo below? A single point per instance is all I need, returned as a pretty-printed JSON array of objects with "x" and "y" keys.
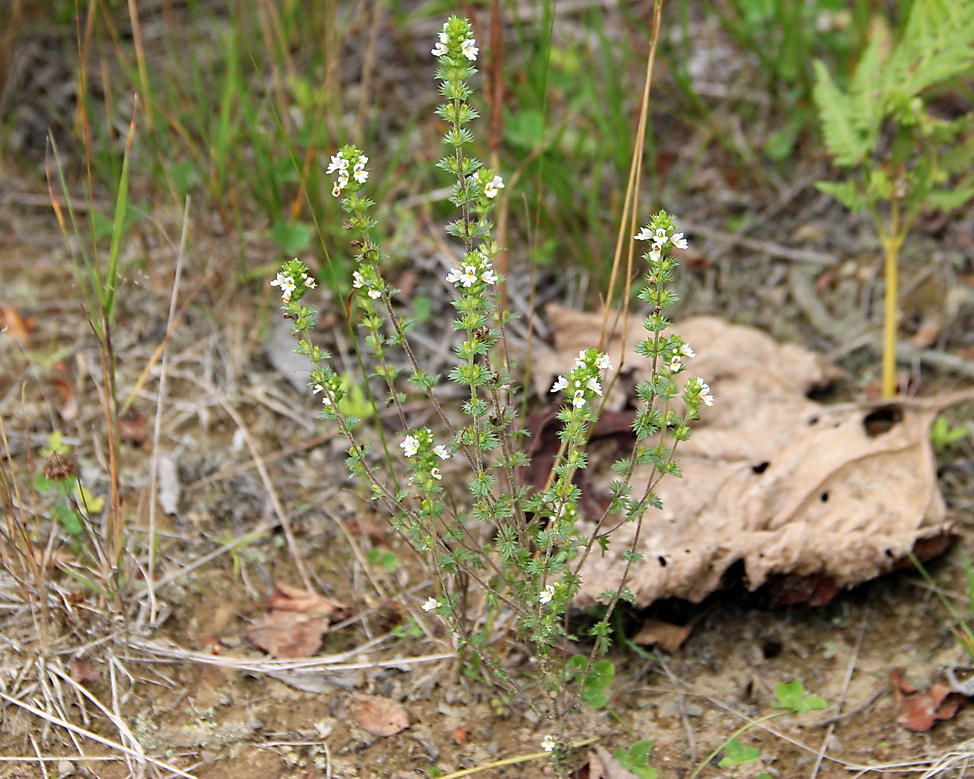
[
  {"x": 846, "y": 192},
  {"x": 841, "y": 137}
]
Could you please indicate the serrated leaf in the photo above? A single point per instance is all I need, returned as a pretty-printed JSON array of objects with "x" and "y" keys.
[
  {"x": 948, "y": 200},
  {"x": 845, "y": 144}
]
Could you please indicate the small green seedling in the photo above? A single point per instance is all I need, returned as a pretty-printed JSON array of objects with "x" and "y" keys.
[
  {"x": 792, "y": 697},
  {"x": 735, "y": 754},
  {"x": 382, "y": 558},
  {"x": 636, "y": 759},
  {"x": 943, "y": 434}
]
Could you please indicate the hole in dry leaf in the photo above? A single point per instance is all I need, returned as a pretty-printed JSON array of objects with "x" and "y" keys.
[
  {"x": 882, "y": 420},
  {"x": 760, "y": 467},
  {"x": 662, "y": 561},
  {"x": 824, "y": 497}
]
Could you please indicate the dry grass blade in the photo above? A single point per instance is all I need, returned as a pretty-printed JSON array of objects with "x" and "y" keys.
[{"x": 56, "y": 721}]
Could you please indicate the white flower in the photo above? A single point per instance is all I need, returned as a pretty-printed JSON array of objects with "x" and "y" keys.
[
  {"x": 547, "y": 594},
  {"x": 492, "y": 187},
  {"x": 375, "y": 294},
  {"x": 435, "y": 473},
  {"x": 654, "y": 253},
  {"x": 578, "y": 399},
  {"x": 469, "y": 49},
  {"x": 580, "y": 360},
  {"x": 548, "y": 743},
  {"x": 660, "y": 238},
  {"x": 679, "y": 241},
  {"x": 686, "y": 351},
  {"x": 431, "y": 604},
  {"x": 359, "y": 173},
  {"x": 443, "y": 37},
  {"x": 488, "y": 276},
  {"x": 409, "y": 446},
  {"x": 309, "y": 282},
  {"x": 326, "y": 398},
  {"x": 441, "y": 452},
  {"x": 676, "y": 364},
  {"x": 357, "y": 280},
  {"x": 338, "y": 162},
  {"x": 643, "y": 235},
  {"x": 465, "y": 276},
  {"x": 603, "y": 363},
  {"x": 705, "y": 395},
  {"x": 593, "y": 384},
  {"x": 560, "y": 384},
  {"x": 440, "y": 48},
  {"x": 286, "y": 283},
  {"x": 704, "y": 388}
]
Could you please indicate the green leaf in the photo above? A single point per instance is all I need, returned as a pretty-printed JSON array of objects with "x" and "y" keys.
[
  {"x": 838, "y": 125},
  {"x": 68, "y": 519},
  {"x": 948, "y": 200},
  {"x": 601, "y": 675},
  {"x": 735, "y": 754},
  {"x": 792, "y": 697},
  {"x": 846, "y": 192},
  {"x": 292, "y": 237},
  {"x": 594, "y": 698},
  {"x": 636, "y": 759}
]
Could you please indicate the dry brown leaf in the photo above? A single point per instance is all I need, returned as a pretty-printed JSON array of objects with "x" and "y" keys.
[
  {"x": 296, "y": 623},
  {"x": 920, "y": 711},
  {"x": 65, "y": 390},
  {"x": 132, "y": 427},
  {"x": 665, "y": 635},
  {"x": 378, "y": 715},
  {"x": 771, "y": 478},
  {"x": 15, "y": 325},
  {"x": 83, "y": 672}
]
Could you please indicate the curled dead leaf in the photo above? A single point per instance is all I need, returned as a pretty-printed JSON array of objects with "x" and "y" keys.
[
  {"x": 297, "y": 621},
  {"x": 665, "y": 635},
  {"x": 920, "y": 711},
  {"x": 774, "y": 483}
]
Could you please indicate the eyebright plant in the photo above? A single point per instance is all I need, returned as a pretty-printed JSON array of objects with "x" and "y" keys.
[{"x": 513, "y": 552}]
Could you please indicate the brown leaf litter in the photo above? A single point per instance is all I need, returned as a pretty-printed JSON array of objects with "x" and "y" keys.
[
  {"x": 918, "y": 710},
  {"x": 297, "y": 621},
  {"x": 773, "y": 481},
  {"x": 378, "y": 715}
]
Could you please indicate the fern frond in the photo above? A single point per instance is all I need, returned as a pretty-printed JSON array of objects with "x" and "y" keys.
[{"x": 845, "y": 143}]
